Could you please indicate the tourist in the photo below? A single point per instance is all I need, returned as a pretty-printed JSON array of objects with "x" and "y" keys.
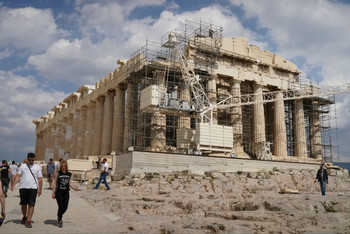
[
  {"x": 103, "y": 175},
  {"x": 14, "y": 169},
  {"x": 50, "y": 169},
  {"x": 60, "y": 190},
  {"x": 2, "y": 202},
  {"x": 57, "y": 165},
  {"x": 5, "y": 179},
  {"x": 30, "y": 180},
  {"x": 322, "y": 177}
]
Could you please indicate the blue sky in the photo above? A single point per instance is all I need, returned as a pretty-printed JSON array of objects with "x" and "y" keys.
[{"x": 50, "y": 48}]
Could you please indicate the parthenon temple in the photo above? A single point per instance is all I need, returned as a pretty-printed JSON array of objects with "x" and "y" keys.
[{"x": 193, "y": 93}]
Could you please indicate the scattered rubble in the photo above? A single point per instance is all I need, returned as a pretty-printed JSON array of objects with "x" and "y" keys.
[{"x": 243, "y": 202}]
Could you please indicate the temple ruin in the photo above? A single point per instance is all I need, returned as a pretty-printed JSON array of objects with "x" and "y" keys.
[{"x": 195, "y": 93}]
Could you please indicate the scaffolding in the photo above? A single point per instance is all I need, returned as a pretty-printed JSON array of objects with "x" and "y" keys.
[{"x": 169, "y": 124}]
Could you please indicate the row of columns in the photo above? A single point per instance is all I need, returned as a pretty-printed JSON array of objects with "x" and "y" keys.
[
  {"x": 94, "y": 129},
  {"x": 98, "y": 127},
  {"x": 279, "y": 126}
]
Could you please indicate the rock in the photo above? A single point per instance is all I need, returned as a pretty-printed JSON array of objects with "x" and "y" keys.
[
  {"x": 290, "y": 191},
  {"x": 244, "y": 202}
]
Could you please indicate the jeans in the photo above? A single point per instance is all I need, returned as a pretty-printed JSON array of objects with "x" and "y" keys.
[
  {"x": 323, "y": 187},
  {"x": 5, "y": 184},
  {"x": 62, "y": 198},
  {"x": 103, "y": 177}
]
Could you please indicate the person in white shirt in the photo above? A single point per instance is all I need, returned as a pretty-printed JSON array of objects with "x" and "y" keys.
[
  {"x": 104, "y": 173},
  {"x": 30, "y": 180},
  {"x": 14, "y": 169}
]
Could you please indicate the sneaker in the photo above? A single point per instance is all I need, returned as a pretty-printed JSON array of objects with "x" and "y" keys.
[
  {"x": 60, "y": 224},
  {"x": 24, "y": 220},
  {"x": 28, "y": 224}
]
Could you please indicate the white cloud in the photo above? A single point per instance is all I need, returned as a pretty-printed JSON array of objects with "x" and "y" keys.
[
  {"x": 317, "y": 30},
  {"x": 21, "y": 99},
  {"x": 85, "y": 61},
  {"x": 78, "y": 61},
  {"x": 27, "y": 28}
]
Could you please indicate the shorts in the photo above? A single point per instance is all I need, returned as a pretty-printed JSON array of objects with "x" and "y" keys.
[
  {"x": 49, "y": 177},
  {"x": 28, "y": 196}
]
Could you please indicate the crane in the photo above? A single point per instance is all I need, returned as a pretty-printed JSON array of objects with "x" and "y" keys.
[{"x": 205, "y": 108}]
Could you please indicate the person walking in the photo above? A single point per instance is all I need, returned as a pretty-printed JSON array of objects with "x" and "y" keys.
[
  {"x": 30, "y": 177},
  {"x": 14, "y": 169},
  {"x": 103, "y": 175},
  {"x": 60, "y": 190},
  {"x": 5, "y": 179},
  {"x": 2, "y": 202},
  {"x": 57, "y": 165},
  {"x": 50, "y": 169},
  {"x": 322, "y": 177}
]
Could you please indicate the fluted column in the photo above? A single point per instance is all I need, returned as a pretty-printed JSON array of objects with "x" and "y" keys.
[
  {"x": 107, "y": 123},
  {"x": 89, "y": 130},
  {"x": 315, "y": 132},
  {"x": 96, "y": 144},
  {"x": 48, "y": 136},
  {"x": 75, "y": 133},
  {"x": 184, "y": 132},
  {"x": 81, "y": 132},
  {"x": 68, "y": 137},
  {"x": 280, "y": 134},
  {"x": 299, "y": 130},
  {"x": 212, "y": 95},
  {"x": 258, "y": 116},
  {"x": 236, "y": 119},
  {"x": 158, "y": 131},
  {"x": 61, "y": 138},
  {"x": 118, "y": 121},
  {"x": 55, "y": 141},
  {"x": 127, "y": 118},
  {"x": 39, "y": 153}
]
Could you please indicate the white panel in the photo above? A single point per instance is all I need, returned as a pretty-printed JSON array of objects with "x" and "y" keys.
[
  {"x": 149, "y": 97},
  {"x": 214, "y": 135}
]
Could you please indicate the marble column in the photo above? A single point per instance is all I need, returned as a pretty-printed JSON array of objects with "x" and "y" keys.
[
  {"x": 236, "y": 119},
  {"x": 299, "y": 130},
  {"x": 118, "y": 121},
  {"x": 96, "y": 144},
  {"x": 89, "y": 130},
  {"x": 128, "y": 116},
  {"x": 61, "y": 138},
  {"x": 315, "y": 132},
  {"x": 39, "y": 146},
  {"x": 48, "y": 136},
  {"x": 280, "y": 134},
  {"x": 75, "y": 133},
  {"x": 55, "y": 141},
  {"x": 184, "y": 133},
  {"x": 212, "y": 95},
  {"x": 107, "y": 125},
  {"x": 258, "y": 115},
  {"x": 81, "y": 132},
  {"x": 68, "y": 137},
  {"x": 158, "y": 131}
]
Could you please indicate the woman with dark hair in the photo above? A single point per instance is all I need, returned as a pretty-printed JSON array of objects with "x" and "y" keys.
[
  {"x": 5, "y": 179},
  {"x": 60, "y": 190}
]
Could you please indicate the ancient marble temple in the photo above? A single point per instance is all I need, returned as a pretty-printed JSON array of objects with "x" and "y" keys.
[{"x": 145, "y": 104}]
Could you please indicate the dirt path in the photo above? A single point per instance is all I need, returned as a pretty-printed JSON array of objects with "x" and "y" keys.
[{"x": 81, "y": 217}]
